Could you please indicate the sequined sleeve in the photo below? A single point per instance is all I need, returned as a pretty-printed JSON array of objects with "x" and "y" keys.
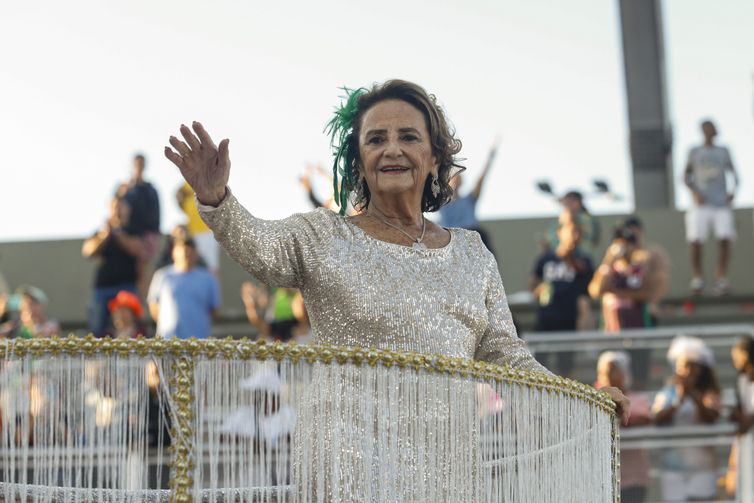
[
  {"x": 274, "y": 251},
  {"x": 500, "y": 344}
]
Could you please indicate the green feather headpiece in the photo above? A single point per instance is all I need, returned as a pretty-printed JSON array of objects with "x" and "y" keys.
[{"x": 340, "y": 129}]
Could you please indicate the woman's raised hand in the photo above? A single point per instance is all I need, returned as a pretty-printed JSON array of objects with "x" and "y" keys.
[{"x": 203, "y": 165}]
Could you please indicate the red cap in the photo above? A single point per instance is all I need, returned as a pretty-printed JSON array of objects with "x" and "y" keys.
[{"x": 129, "y": 300}]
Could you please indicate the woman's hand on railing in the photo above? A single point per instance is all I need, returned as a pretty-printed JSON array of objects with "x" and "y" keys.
[
  {"x": 622, "y": 403},
  {"x": 204, "y": 166}
]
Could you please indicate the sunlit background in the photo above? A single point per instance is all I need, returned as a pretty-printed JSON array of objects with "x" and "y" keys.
[{"x": 87, "y": 84}]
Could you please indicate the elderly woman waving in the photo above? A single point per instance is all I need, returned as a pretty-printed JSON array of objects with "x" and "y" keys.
[{"x": 387, "y": 277}]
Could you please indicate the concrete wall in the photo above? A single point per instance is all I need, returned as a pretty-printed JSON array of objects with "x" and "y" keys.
[{"x": 59, "y": 269}]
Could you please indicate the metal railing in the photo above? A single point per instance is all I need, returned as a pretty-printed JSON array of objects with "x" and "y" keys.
[
  {"x": 659, "y": 439},
  {"x": 720, "y": 338},
  {"x": 641, "y": 338}
]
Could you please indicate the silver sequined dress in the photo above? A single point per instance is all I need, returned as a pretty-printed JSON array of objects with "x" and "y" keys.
[{"x": 360, "y": 291}]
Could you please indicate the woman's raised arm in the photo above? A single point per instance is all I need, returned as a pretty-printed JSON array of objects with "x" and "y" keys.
[{"x": 274, "y": 251}]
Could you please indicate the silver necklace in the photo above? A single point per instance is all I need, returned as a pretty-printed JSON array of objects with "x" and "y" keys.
[{"x": 417, "y": 242}]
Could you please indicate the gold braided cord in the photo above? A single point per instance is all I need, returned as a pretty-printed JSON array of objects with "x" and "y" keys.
[
  {"x": 182, "y": 465},
  {"x": 244, "y": 349}
]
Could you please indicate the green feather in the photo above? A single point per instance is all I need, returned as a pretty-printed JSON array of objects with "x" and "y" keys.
[{"x": 339, "y": 128}]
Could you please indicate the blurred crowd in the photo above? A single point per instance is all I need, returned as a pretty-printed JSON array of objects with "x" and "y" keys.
[
  {"x": 146, "y": 284},
  {"x": 691, "y": 396}
]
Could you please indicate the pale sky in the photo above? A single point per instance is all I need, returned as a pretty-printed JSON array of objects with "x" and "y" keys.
[{"x": 85, "y": 84}]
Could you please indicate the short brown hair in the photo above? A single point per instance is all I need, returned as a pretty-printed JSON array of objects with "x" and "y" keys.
[
  {"x": 445, "y": 145},
  {"x": 185, "y": 241}
]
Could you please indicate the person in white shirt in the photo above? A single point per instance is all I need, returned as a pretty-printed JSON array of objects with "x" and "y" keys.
[
  {"x": 707, "y": 171},
  {"x": 692, "y": 397}
]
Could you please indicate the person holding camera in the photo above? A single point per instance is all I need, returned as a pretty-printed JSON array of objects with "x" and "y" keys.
[
  {"x": 624, "y": 283},
  {"x": 116, "y": 249}
]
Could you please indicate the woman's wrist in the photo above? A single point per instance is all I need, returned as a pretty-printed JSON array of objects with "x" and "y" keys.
[{"x": 214, "y": 201}]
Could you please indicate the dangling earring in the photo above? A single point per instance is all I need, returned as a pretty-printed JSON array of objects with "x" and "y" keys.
[{"x": 435, "y": 186}]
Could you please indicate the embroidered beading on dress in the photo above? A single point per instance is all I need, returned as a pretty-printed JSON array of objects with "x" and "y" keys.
[{"x": 360, "y": 291}]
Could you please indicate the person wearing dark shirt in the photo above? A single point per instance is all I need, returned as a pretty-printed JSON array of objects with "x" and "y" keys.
[
  {"x": 117, "y": 250},
  {"x": 559, "y": 279},
  {"x": 144, "y": 220},
  {"x": 144, "y": 202}
]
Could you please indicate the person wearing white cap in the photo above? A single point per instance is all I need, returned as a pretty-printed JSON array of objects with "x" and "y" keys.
[{"x": 692, "y": 397}]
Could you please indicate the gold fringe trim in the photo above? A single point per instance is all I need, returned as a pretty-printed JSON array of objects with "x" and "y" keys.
[{"x": 244, "y": 349}]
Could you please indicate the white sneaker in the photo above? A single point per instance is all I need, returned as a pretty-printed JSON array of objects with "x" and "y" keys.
[
  {"x": 721, "y": 286},
  {"x": 697, "y": 285}
]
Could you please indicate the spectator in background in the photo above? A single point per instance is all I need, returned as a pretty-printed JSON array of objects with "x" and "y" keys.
[
  {"x": 116, "y": 249},
  {"x": 742, "y": 355},
  {"x": 692, "y": 397},
  {"x": 306, "y": 183},
  {"x": 559, "y": 279},
  {"x": 32, "y": 321},
  {"x": 145, "y": 218},
  {"x": 461, "y": 211},
  {"x": 179, "y": 233},
  {"x": 4, "y": 293},
  {"x": 206, "y": 245},
  {"x": 183, "y": 298},
  {"x": 575, "y": 212},
  {"x": 126, "y": 312},
  {"x": 624, "y": 282},
  {"x": 658, "y": 263},
  {"x": 283, "y": 313},
  {"x": 614, "y": 369},
  {"x": 706, "y": 176}
]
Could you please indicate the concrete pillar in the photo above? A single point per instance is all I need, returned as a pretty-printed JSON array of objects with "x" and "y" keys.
[{"x": 650, "y": 133}]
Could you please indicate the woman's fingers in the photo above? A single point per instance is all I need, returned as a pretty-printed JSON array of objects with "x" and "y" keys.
[
  {"x": 223, "y": 152},
  {"x": 202, "y": 164},
  {"x": 625, "y": 408},
  {"x": 203, "y": 135},
  {"x": 181, "y": 147},
  {"x": 622, "y": 403},
  {"x": 173, "y": 157},
  {"x": 192, "y": 140}
]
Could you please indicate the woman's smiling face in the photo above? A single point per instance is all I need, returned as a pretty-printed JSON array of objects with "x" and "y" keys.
[{"x": 395, "y": 150}]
